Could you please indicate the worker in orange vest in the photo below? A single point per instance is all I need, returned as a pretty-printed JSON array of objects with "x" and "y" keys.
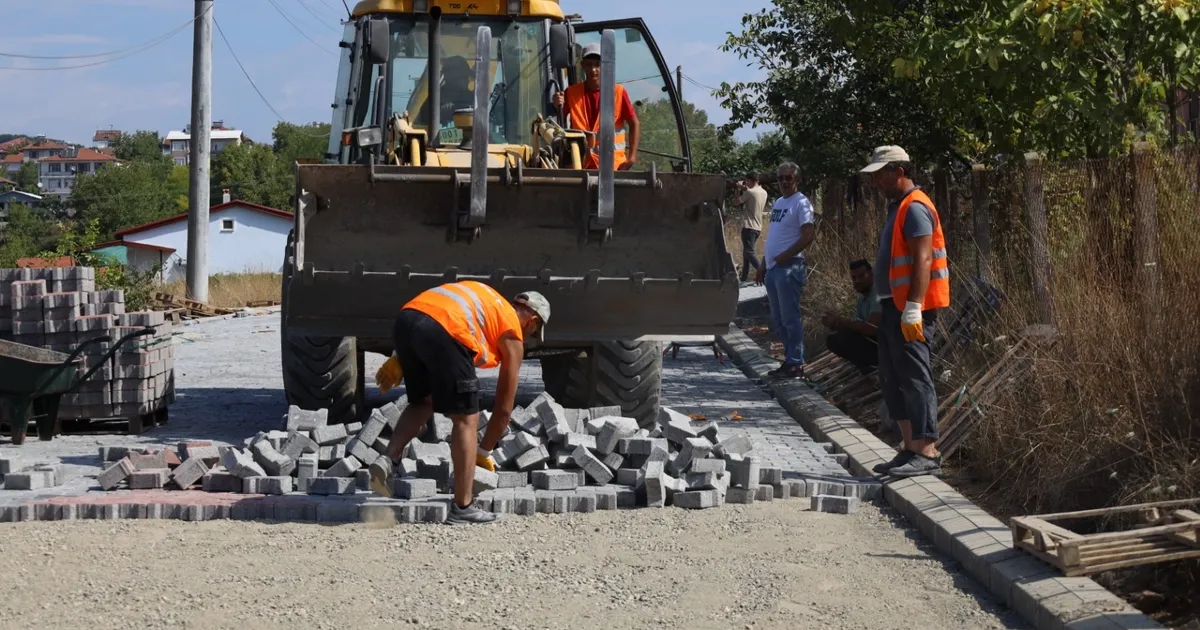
[
  {"x": 441, "y": 337},
  {"x": 912, "y": 280},
  {"x": 582, "y": 102}
]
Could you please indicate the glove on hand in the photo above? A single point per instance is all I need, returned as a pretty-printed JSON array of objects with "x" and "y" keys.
[
  {"x": 483, "y": 459},
  {"x": 911, "y": 324},
  {"x": 389, "y": 375}
]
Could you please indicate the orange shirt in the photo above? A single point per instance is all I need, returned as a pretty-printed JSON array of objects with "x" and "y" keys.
[{"x": 475, "y": 314}]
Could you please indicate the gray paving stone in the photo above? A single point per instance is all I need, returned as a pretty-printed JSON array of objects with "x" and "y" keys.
[{"x": 834, "y": 504}]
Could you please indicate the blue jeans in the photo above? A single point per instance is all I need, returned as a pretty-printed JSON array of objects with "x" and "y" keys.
[{"x": 785, "y": 287}]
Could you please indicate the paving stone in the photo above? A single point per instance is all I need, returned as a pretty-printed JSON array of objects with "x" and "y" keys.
[
  {"x": 222, "y": 481},
  {"x": 573, "y": 441},
  {"x": 149, "y": 479},
  {"x": 524, "y": 501},
  {"x": 797, "y": 487},
  {"x": 298, "y": 444},
  {"x": 267, "y": 485},
  {"x": 592, "y": 466},
  {"x": 116, "y": 473},
  {"x": 835, "y": 504},
  {"x": 583, "y": 500},
  {"x": 763, "y": 492},
  {"x": 329, "y": 435},
  {"x": 189, "y": 472},
  {"x": 743, "y": 496},
  {"x": 782, "y": 491},
  {"x": 614, "y": 429},
  {"x": 735, "y": 445},
  {"x": 414, "y": 488},
  {"x": 627, "y": 476},
  {"x": 241, "y": 464},
  {"x": 344, "y": 468},
  {"x": 331, "y": 485},
  {"x": 532, "y": 458},
  {"x": 31, "y": 480},
  {"x": 527, "y": 420},
  {"x": 710, "y": 465},
  {"x": 701, "y": 481},
  {"x": 511, "y": 479},
  {"x": 770, "y": 475},
  {"x": 273, "y": 463},
  {"x": 697, "y": 499},
  {"x": 744, "y": 473},
  {"x": 652, "y": 483},
  {"x": 304, "y": 420},
  {"x": 554, "y": 479},
  {"x": 485, "y": 480}
]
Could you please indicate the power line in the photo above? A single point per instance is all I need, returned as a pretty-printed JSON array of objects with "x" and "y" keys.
[
  {"x": 694, "y": 82},
  {"x": 320, "y": 20},
  {"x": 129, "y": 53},
  {"x": 298, "y": 29},
  {"x": 254, "y": 85},
  {"x": 105, "y": 54}
]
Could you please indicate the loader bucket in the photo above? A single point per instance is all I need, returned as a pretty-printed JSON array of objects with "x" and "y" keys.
[{"x": 370, "y": 238}]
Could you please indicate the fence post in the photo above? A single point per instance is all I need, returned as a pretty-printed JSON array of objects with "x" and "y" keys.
[
  {"x": 941, "y": 199},
  {"x": 981, "y": 216},
  {"x": 1039, "y": 237},
  {"x": 1147, "y": 271}
]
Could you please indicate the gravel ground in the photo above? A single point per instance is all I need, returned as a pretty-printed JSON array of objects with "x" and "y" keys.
[{"x": 771, "y": 565}]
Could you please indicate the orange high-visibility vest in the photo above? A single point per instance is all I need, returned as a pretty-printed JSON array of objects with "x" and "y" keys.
[
  {"x": 576, "y": 103},
  {"x": 475, "y": 314},
  {"x": 900, "y": 274}
]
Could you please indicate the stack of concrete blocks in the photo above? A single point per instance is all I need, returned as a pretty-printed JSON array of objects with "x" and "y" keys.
[
  {"x": 37, "y": 476},
  {"x": 59, "y": 309},
  {"x": 141, "y": 468}
]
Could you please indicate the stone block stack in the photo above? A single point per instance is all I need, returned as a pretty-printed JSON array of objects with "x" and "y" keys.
[{"x": 59, "y": 309}]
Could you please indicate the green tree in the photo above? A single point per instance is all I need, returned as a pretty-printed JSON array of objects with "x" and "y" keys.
[
  {"x": 294, "y": 142},
  {"x": 139, "y": 146},
  {"x": 26, "y": 235},
  {"x": 118, "y": 197},
  {"x": 27, "y": 178},
  {"x": 254, "y": 173}
]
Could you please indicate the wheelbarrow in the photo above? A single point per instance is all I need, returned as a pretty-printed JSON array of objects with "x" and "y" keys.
[{"x": 34, "y": 380}]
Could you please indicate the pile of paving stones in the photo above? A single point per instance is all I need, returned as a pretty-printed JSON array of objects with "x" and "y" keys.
[
  {"x": 550, "y": 460},
  {"x": 60, "y": 309}
]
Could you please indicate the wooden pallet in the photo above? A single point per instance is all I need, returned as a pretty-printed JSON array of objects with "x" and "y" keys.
[
  {"x": 135, "y": 425},
  {"x": 1164, "y": 531},
  {"x": 194, "y": 307}
]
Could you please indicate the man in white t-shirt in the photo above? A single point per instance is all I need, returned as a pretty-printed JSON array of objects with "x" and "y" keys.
[{"x": 783, "y": 269}]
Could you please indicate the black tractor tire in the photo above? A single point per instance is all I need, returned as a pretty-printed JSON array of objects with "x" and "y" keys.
[
  {"x": 319, "y": 373},
  {"x": 627, "y": 374}
]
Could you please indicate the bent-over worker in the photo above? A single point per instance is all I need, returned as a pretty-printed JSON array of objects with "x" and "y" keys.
[
  {"x": 441, "y": 337},
  {"x": 582, "y": 102}
]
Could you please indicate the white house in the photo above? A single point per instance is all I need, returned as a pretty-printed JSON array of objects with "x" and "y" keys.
[
  {"x": 177, "y": 144},
  {"x": 243, "y": 237},
  {"x": 57, "y": 173}
]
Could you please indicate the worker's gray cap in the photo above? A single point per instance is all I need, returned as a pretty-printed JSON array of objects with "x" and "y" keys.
[
  {"x": 540, "y": 305},
  {"x": 591, "y": 50},
  {"x": 883, "y": 156}
]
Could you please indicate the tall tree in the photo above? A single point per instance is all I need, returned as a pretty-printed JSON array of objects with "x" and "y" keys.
[
  {"x": 254, "y": 173},
  {"x": 27, "y": 178},
  {"x": 294, "y": 141},
  {"x": 26, "y": 234},
  {"x": 118, "y": 197},
  {"x": 139, "y": 146}
]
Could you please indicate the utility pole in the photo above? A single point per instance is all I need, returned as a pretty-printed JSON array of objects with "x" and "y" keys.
[{"x": 198, "y": 159}]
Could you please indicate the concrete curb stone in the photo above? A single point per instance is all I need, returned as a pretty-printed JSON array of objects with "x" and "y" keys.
[{"x": 959, "y": 528}]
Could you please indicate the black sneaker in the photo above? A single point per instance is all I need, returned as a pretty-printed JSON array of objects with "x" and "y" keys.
[
  {"x": 918, "y": 465},
  {"x": 778, "y": 371},
  {"x": 789, "y": 370},
  {"x": 899, "y": 460}
]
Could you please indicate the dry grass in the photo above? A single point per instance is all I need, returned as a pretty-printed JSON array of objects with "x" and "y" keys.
[{"x": 235, "y": 290}]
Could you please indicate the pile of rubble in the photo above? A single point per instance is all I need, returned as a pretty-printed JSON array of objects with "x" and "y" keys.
[
  {"x": 550, "y": 460},
  {"x": 59, "y": 309}
]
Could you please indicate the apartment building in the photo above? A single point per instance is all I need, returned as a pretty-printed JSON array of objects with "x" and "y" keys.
[
  {"x": 57, "y": 173},
  {"x": 177, "y": 144}
]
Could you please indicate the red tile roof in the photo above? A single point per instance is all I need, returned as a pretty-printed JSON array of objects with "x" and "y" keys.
[
  {"x": 107, "y": 135},
  {"x": 134, "y": 244},
  {"x": 14, "y": 144},
  {"x": 83, "y": 155},
  {"x": 213, "y": 210},
  {"x": 48, "y": 145},
  {"x": 15, "y": 158}
]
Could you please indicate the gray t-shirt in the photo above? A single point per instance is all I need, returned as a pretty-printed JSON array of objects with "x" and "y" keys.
[{"x": 919, "y": 222}]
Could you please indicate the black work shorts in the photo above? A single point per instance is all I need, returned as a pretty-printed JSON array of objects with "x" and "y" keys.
[{"x": 436, "y": 364}]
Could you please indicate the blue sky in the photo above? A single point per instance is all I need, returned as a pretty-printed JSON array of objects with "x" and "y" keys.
[{"x": 151, "y": 90}]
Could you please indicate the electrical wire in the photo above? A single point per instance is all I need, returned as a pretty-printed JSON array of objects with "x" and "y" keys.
[
  {"x": 696, "y": 83},
  {"x": 298, "y": 29},
  {"x": 110, "y": 53},
  {"x": 271, "y": 107},
  {"x": 320, "y": 20},
  {"x": 129, "y": 52}
]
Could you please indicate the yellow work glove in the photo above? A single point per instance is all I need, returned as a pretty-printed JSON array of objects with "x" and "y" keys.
[
  {"x": 483, "y": 459},
  {"x": 911, "y": 324},
  {"x": 389, "y": 375}
]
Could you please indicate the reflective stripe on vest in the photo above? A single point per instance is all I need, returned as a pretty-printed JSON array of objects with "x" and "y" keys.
[
  {"x": 937, "y": 295},
  {"x": 576, "y": 103},
  {"x": 474, "y": 318}
]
